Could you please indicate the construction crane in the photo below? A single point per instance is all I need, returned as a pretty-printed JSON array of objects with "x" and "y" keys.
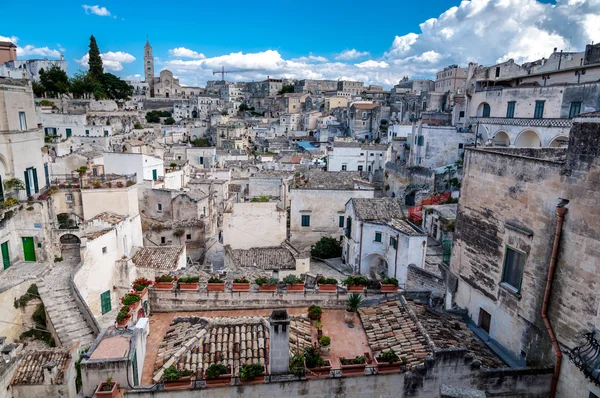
[{"x": 223, "y": 71}]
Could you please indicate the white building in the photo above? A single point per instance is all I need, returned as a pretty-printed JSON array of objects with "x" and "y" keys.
[
  {"x": 436, "y": 146},
  {"x": 378, "y": 238},
  {"x": 145, "y": 167},
  {"x": 254, "y": 224},
  {"x": 67, "y": 125},
  {"x": 353, "y": 156},
  {"x": 30, "y": 68}
]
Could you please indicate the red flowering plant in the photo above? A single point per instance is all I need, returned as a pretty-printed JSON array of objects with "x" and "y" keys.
[
  {"x": 165, "y": 278},
  {"x": 130, "y": 298},
  {"x": 140, "y": 284}
]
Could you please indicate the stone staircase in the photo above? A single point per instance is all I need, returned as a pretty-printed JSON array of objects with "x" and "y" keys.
[{"x": 61, "y": 307}]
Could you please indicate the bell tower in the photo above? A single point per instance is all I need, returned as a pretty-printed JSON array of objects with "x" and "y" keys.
[{"x": 149, "y": 67}]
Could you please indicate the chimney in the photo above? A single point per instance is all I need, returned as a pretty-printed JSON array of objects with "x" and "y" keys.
[
  {"x": 279, "y": 332},
  {"x": 50, "y": 372}
]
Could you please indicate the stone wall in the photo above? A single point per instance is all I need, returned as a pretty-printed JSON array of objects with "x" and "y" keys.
[
  {"x": 403, "y": 180},
  {"x": 451, "y": 367},
  {"x": 419, "y": 279}
]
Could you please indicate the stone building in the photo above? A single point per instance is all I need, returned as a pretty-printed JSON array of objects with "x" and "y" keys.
[
  {"x": 364, "y": 120},
  {"x": 378, "y": 239},
  {"x": 350, "y": 86},
  {"x": 435, "y": 146},
  {"x": 354, "y": 156},
  {"x": 525, "y": 257},
  {"x": 248, "y": 225},
  {"x": 8, "y": 51},
  {"x": 30, "y": 68},
  {"x": 451, "y": 79}
]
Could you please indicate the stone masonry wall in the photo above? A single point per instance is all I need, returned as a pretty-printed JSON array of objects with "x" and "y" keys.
[{"x": 419, "y": 279}]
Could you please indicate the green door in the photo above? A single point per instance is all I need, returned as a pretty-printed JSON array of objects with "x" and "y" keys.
[
  {"x": 28, "y": 248},
  {"x": 154, "y": 175},
  {"x": 5, "y": 255},
  {"x": 69, "y": 132},
  {"x": 105, "y": 302}
]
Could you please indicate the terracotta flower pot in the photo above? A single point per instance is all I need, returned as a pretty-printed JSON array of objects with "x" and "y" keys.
[
  {"x": 356, "y": 289},
  {"x": 113, "y": 392},
  {"x": 142, "y": 293},
  {"x": 387, "y": 367},
  {"x": 349, "y": 316},
  {"x": 163, "y": 286},
  {"x": 135, "y": 306},
  {"x": 123, "y": 324},
  {"x": 353, "y": 370},
  {"x": 222, "y": 380},
  {"x": 180, "y": 384},
  {"x": 267, "y": 288},
  {"x": 216, "y": 287},
  {"x": 320, "y": 372},
  {"x": 254, "y": 380},
  {"x": 240, "y": 287},
  {"x": 296, "y": 287},
  {"x": 388, "y": 288},
  {"x": 327, "y": 288},
  {"x": 188, "y": 286}
]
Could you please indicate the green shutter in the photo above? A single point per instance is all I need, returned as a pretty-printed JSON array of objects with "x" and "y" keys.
[
  {"x": 341, "y": 222},
  {"x": 105, "y": 302},
  {"x": 27, "y": 187},
  {"x": 35, "y": 180}
]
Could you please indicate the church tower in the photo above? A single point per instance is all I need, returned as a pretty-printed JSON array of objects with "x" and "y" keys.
[{"x": 149, "y": 67}]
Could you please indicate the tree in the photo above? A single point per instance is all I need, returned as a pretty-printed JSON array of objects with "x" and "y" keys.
[
  {"x": 95, "y": 61},
  {"x": 38, "y": 89},
  {"x": 326, "y": 247},
  {"x": 55, "y": 81},
  {"x": 81, "y": 85},
  {"x": 243, "y": 108},
  {"x": 200, "y": 142},
  {"x": 115, "y": 88},
  {"x": 169, "y": 121},
  {"x": 287, "y": 88}
]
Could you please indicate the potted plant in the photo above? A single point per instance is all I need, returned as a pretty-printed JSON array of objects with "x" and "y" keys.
[
  {"x": 107, "y": 389},
  {"x": 241, "y": 284},
  {"x": 140, "y": 286},
  {"x": 297, "y": 367},
  {"x": 164, "y": 282},
  {"x": 387, "y": 362},
  {"x": 319, "y": 326},
  {"x": 293, "y": 283},
  {"x": 389, "y": 285},
  {"x": 315, "y": 312},
  {"x": 352, "y": 303},
  {"x": 174, "y": 379},
  {"x": 188, "y": 283},
  {"x": 316, "y": 366},
  {"x": 131, "y": 300},
  {"x": 218, "y": 375},
  {"x": 324, "y": 343},
  {"x": 353, "y": 366},
  {"x": 355, "y": 283},
  {"x": 266, "y": 284},
  {"x": 252, "y": 372},
  {"x": 123, "y": 317},
  {"x": 216, "y": 284},
  {"x": 327, "y": 284}
]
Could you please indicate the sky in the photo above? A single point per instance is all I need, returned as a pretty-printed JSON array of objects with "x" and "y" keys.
[{"x": 376, "y": 42}]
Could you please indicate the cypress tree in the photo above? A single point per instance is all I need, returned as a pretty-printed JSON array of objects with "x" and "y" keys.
[{"x": 95, "y": 61}]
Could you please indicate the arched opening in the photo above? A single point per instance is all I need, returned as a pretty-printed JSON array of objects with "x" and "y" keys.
[
  {"x": 68, "y": 221},
  {"x": 409, "y": 199},
  {"x": 483, "y": 110},
  {"x": 501, "y": 139},
  {"x": 194, "y": 114},
  {"x": 167, "y": 94},
  {"x": 528, "y": 139},
  {"x": 69, "y": 247},
  {"x": 374, "y": 265},
  {"x": 561, "y": 141}
]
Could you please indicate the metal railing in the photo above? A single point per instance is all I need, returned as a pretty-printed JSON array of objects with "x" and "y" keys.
[
  {"x": 66, "y": 181},
  {"x": 523, "y": 121}
]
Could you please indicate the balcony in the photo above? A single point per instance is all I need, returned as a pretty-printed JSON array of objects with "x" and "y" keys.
[
  {"x": 587, "y": 358},
  {"x": 69, "y": 181},
  {"x": 523, "y": 121}
]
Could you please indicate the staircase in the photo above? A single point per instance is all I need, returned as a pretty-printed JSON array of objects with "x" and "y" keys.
[{"x": 61, "y": 307}]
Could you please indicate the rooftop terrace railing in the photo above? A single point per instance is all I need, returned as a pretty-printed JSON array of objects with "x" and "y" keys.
[{"x": 525, "y": 122}]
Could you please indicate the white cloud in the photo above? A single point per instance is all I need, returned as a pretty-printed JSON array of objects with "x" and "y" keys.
[
  {"x": 134, "y": 77},
  {"x": 12, "y": 39},
  {"x": 29, "y": 50},
  {"x": 185, "y": 53},
  {"x": 112, "y": 61},
  {"x": 483, "y": 31},
  {"x": 351, "y": 54},
  {"x": 96, "y": 10}
]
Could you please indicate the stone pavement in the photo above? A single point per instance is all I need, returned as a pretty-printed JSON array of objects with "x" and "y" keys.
[{"x": 62, "y": 310}]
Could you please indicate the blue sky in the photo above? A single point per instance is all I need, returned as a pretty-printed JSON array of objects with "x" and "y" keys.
[{"x": 390, "y": 39}]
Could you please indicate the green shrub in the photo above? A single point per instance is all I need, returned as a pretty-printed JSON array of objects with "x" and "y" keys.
[
  {"x": 250, "y": 370},
  {"x": 216, "y": 370},
  {"x": 214, "y": 279},
  {"x": 261, "y": 198},
  {"x": 32, "y": 293},
  {"x": 357, "y": 280},
  {"x": 297, "y": 365},
  {"x": 325, "y": 341},
  {"x": 390, "y": 281},
  {"x": 123, "y": 314},
  {"x": 326, "y": 247},
  {"x": 315, "y": 312},
  {"x": 327, "y": 281},
  {"x": 137, "y": 126},
  {"x": 313, "y": 357},
  {"x": 189, "y": 279},
  {"x": 388, "y": 356},
  {"x": 130, "y": 298},
  {"x": 292, "y": 280},
  {"x": 266, "y": 281},
  {"x": 164, "y": 278},
  {"x": 358, "y": 360},
  {"x": 171, "y": 373},
  {"x": 243, "y": 279}
]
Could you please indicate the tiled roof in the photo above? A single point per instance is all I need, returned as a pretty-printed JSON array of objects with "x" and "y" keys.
[
  {"x": 266, "y": 258},
  {"x": 195, "y": 194},
  {"x": 162, "y": 257},
  {"x": 110, "y": 218},
  {"x": 377, "y": 209},
  {"x": 96, "y": 234},
  {"x": 365, "y": 106},
  {"x": 31, "y": 367},
  {"x": 318, "y": 179},
  {"x": 235, "y": 188},
  {"x": 402, "y": 225}
]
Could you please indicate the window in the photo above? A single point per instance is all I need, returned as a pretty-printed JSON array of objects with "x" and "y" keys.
[
  {"x": 360, "y": 168},
  {"x": 163, "y": 240},
  {"x": 393, "y": 242},
  {"x": 159, "y": 207},
  {"x": 87, "y": 132},
  {"x": 461, "y": 146},
  {"x": 497, "y": 71},
  {"x": 306, "y": 221},
  {"x": 188, "y": 236},
  {"x": 341, "y": 222},
  {"x": 512, "y": 274},
  {"x": 348, "y": 227},
  {"x": 344, "y": 167},
  {"x": 69, "y": 198},
  {"x": 378, "y": 237},
  {"x": 461, "y": 114},
  {"x": 420, "y": 140},
  {"x": 485, "y": 320},
  {"x": 510, "y": 109},
  {"x": 22, "y": 121},
  {"x": 539, "y": 110},
  {"x": 104, "y": 250},
  {"x": 575, "y": 109},
  {"x": 486, "y": 110},
  {"x": 105, "y": 133}
]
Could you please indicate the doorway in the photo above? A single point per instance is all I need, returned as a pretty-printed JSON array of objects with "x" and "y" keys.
[
  {"x": 485, "y": 320},
  {"x": 28, "y": 248},
  {"x": 5, "y": 255}
]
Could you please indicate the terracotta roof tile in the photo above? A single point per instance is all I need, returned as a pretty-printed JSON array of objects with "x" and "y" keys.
[
  {"x": 266, "y": 258},
  {"x": 31, "y": 367},
  {"x": 162, "y": 257}
]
